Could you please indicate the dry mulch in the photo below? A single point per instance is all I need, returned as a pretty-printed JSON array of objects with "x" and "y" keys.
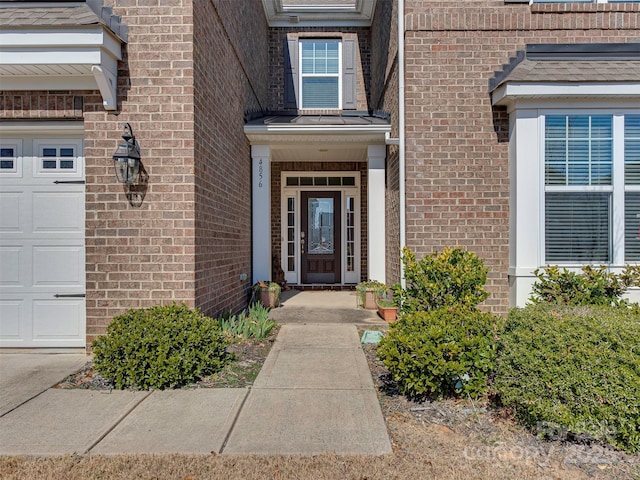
[{"x": 249, "y": 357}]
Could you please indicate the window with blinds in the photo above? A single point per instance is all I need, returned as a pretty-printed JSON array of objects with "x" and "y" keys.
[
  {"x": 592, "y": 191},
  {"x": 320, "y": 73},
  {"x": 578, "y": 179},
  {"x": 632, "y": 188}
]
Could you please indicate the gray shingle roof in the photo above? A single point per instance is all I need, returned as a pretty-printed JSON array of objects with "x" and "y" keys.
[
  {"x": 21, "y": 15},
  {"x": 562, "y": 63}
]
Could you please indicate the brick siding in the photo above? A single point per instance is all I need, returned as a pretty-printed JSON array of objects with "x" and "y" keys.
[
  {"x": 231, "y": 78},
  {"x": 457, "y": 145}
]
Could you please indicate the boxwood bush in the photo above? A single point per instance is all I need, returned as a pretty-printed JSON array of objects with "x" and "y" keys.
[
  {"x": 451, "y": 277},
  {"x": 573, "y": 370},
  {"x": 160, "y": 347},
  {"x": 442, "y": 352}
]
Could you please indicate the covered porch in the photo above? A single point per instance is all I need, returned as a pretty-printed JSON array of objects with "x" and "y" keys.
[{"x": 318, "y": 198}]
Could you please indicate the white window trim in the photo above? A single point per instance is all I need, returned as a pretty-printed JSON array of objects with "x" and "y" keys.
[
  {"x": 40, "y": 144},
  {"x": 302, "y": 75},
  {"x": 617, "y": 187},
  {"x": 527, "y": 188}
]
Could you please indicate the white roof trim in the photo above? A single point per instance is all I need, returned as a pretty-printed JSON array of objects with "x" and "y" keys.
[
  {"x": 319, "y": 15},
  {"x": 332, "y": 134},
  {"x": 61, "y": 59},
  {"x": 509, "y": 92}
]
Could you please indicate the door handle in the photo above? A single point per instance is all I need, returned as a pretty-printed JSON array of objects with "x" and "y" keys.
[{"x": 301, "y": 242}]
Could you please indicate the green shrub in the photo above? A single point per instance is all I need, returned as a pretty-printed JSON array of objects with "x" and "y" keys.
[
  {"x": 160, "y": 347},
  {"x": 574, "y": 370},
  {"x": 441, "y": 352},
  {"x": 452, "y": 277},
  {"x": 594, "y": 286},
  {"x": 252, "y": 324}
]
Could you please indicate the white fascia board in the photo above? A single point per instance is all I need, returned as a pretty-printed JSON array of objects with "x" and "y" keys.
[
  {"x": 49, "y": 82},
  {"x": 94, "y": 47},
  {"x": 509, "y": 92},
  {"x": 317, "y": 129},
  {"x": 34, "y": 128}
]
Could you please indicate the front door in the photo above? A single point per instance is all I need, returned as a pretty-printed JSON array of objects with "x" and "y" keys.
[{"x": 320, "y": 237}]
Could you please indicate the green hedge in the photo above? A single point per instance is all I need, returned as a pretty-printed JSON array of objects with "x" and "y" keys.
[
  {"x": 160, "y": 347},
  {"x": 448, "y": 351},
  {"x": 573, "y": 370}
]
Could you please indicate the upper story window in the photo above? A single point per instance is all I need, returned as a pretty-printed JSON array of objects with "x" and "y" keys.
[{"x": 320, "y": 73}]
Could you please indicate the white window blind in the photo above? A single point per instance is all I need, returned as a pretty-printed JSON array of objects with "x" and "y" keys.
[
  {"x": 578, "y": 188},
  {"x": 320, "y": 73}
]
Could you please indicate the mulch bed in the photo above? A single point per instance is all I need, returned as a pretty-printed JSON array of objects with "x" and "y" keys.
[{"x": 249, "y": 357}]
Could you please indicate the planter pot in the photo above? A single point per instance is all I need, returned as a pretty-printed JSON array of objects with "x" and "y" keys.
[
  {"x": 388, "y": 314},
  {"x": 268, "y": 298},
  {"x": 370, "y": 300}
]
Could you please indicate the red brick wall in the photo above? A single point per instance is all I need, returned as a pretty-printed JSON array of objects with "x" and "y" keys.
[
  {"x": 231, "y": 78},
  {"x": 456, "y": 152},
  {"x": 41, "y": 105},
  {"x": 141, "y": 256}
]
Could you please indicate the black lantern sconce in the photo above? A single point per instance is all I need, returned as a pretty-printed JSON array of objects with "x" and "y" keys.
[{"x": 126, "y": 159}]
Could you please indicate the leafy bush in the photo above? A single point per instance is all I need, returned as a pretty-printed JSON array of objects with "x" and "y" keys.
[
  {"x": 452, "y": 277},
  {"x": 441, "y": 352},
  {"x": 574, "y": 370},
  {"x": 160, "y": 347},
  {"x": 252, "y": 324},
  {"x": 594, "y": 286}
]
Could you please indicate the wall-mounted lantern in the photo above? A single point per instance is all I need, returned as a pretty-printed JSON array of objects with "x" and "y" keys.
[{"x": 126, "y": 158}]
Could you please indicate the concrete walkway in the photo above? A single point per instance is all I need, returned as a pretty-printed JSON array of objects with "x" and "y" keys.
[{"x": 314, "y": 394}]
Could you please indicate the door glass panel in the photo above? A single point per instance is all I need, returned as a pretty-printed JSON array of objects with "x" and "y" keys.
[{"x": 320, "y": 226}]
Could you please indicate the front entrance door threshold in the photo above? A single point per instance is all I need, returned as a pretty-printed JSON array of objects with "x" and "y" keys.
[{"x": 321, "y": 286}]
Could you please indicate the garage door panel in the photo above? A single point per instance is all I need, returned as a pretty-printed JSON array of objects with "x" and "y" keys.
[
  {"x": 12, "y": 211},
  {"x": 42, "y": 244},
  {"x": 12, "y": 319},
  {"x": 12, "y": 261},
  {"x": 59, "y": 319},
  {"x": 58, "y": 212},
  {"x": 59, "y": 266}
]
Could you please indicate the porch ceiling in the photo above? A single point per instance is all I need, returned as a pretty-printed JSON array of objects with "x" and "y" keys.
[{"x": 318, "y": 138}]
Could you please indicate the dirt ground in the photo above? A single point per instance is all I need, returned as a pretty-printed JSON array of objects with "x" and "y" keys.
[{"x": 431, "y": 440}]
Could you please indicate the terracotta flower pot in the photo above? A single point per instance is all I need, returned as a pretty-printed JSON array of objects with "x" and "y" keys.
[{"x": 388, "y": 314}]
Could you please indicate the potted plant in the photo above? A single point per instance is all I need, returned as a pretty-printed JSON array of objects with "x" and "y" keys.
[
  {"x": 388, "y": 310},
  {"x": 387, "y": 307},
  {"x": 268, "y": 293},
  {"x": 368, "y": 293}
]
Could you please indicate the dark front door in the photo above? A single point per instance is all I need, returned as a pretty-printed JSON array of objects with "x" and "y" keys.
[{"x": 320, "y": 237}]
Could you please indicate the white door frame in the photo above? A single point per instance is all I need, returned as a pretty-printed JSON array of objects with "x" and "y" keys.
[{"x": 287, "y": 192}]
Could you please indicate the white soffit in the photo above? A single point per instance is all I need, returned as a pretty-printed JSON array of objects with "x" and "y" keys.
[
  {"x": 72, "y": 58},
  {"x": 509, "y": 93},
  {"x": 319, "y": 13}
]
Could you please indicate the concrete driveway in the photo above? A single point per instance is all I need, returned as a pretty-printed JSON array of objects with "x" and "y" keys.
[{"x": 24, "y": 376}]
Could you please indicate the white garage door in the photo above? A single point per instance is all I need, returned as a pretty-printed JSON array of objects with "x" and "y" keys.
[{"x": 42, "y": 253}]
